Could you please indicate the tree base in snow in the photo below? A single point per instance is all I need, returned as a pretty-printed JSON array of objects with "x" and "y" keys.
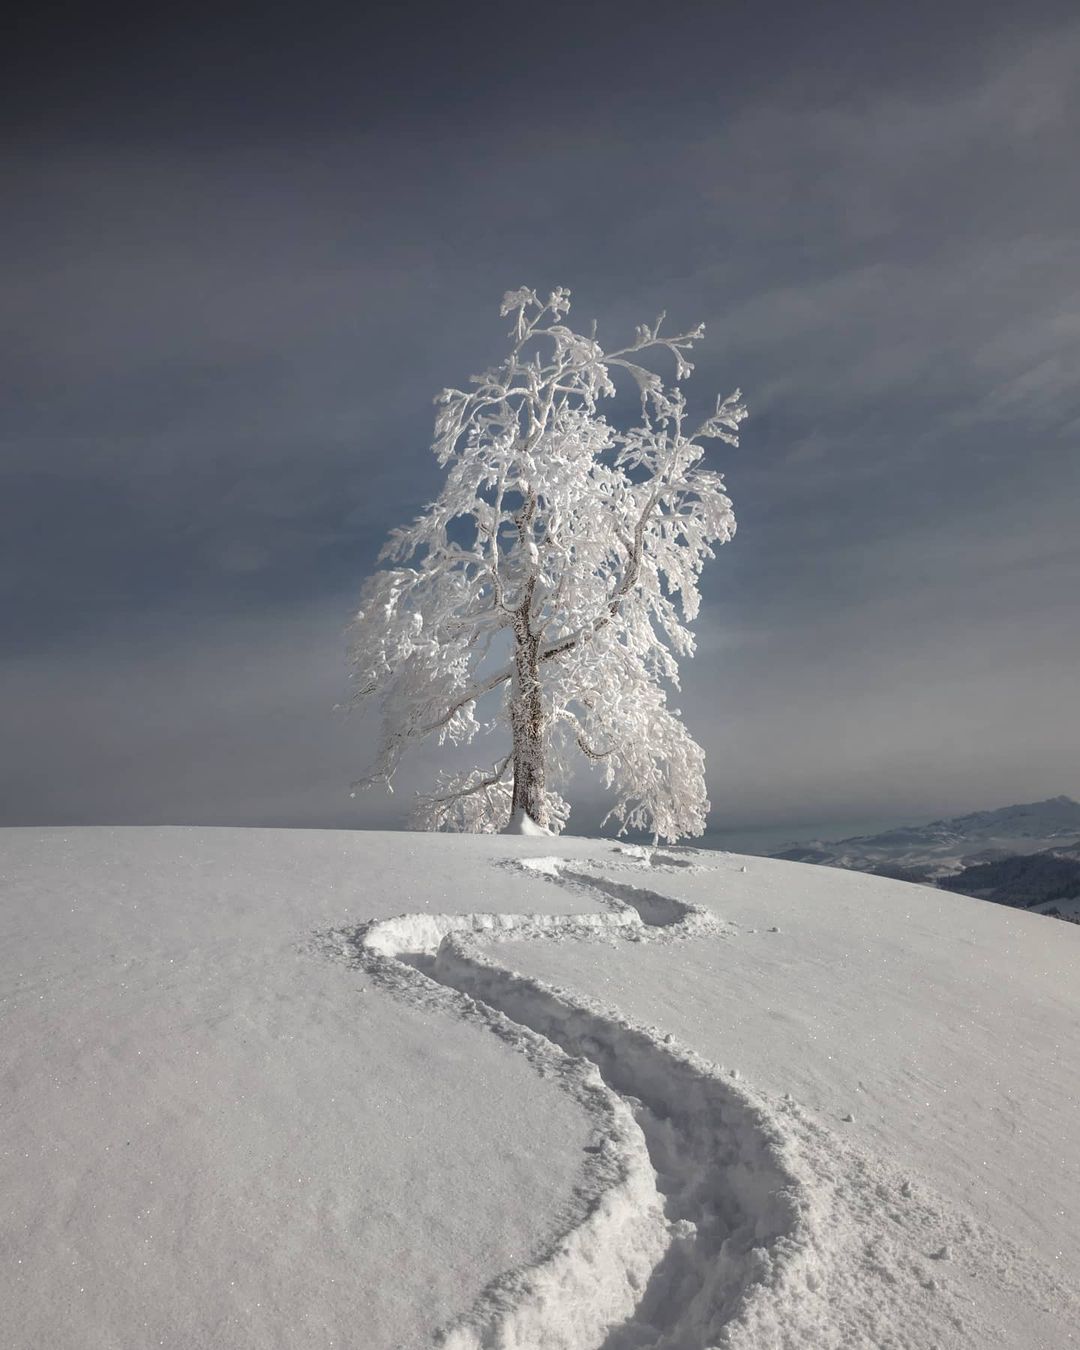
[{"x": 521, "y": 822}]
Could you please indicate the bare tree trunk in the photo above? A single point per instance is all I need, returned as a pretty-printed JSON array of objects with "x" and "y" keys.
[{"x": 527, "y": 723}]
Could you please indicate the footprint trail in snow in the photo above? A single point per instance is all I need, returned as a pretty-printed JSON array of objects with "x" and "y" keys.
[
  {"x": 705, "y": 1216},
  {"x": 686, "y": 1191}
]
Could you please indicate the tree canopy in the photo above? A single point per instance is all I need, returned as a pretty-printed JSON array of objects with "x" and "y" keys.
[{"x": 548, "y": 590}]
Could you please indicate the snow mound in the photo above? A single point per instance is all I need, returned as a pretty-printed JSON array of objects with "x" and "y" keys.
[{"x": 522, "y": 824}]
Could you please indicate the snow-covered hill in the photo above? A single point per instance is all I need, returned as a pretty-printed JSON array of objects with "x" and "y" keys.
[
  {"x": 303, "y": 1088},
  {"x": 945, "y": 847},
  {"x": 1047, "y": 882}
]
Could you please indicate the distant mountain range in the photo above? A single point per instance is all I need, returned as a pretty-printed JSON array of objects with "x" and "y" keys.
[{"x": 1027, "y": 856}]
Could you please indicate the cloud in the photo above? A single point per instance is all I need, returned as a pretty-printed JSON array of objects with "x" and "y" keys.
[
  {"x": 222, "y": 355},
  {"x": 197, "y": 724}
]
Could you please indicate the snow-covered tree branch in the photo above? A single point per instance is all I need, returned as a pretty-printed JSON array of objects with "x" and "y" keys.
[{"x": 554, "y": 578}]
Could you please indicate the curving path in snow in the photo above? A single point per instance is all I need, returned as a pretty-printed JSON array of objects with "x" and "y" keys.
[
  {"x": 707, "y": 1214},
  {"x": 688, "y": 1202}
]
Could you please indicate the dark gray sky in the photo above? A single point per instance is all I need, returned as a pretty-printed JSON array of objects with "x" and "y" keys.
[{"x": 241, "y": 252}]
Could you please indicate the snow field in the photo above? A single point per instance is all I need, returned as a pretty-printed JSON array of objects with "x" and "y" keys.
[
  {"x": 245, "y": 1101},
  {"x": 213, "y": 1135}
]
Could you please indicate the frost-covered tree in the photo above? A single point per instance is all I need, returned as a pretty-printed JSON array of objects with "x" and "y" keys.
[{"x": 547, "y": 591}]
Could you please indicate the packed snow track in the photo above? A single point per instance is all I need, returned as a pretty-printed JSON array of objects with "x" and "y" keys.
[{"x": 687, "y": 1204}]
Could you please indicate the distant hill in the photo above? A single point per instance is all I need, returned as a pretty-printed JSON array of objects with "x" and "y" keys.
[
  {"x": 1026, "y": 855},
  {"x": 1048, "y": 882}
]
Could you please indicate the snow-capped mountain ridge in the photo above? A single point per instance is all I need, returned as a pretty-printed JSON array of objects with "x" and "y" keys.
[
  {"x": 1047, "y": 881},
  {"x": 944, "y": 847},
  {"x": 1050, "y": 819}
]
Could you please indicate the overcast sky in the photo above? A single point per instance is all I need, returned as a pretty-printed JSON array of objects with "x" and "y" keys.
[{"x": 240, "y": 256}]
